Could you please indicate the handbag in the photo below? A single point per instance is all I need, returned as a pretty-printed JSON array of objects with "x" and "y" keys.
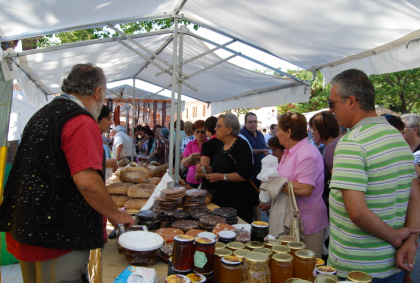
[{"x": 296, "y": 228}]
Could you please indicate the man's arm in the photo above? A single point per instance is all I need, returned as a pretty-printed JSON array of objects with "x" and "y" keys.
[
  {"x": 364, "y": 218},
  {"x": 92, "y": 188},
  {"x": 407, "y": 252},
  {"x": 259, "y": 151}
]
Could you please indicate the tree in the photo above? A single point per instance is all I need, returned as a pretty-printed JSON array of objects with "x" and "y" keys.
[
  {"x": 103, "y": 32},
  {"x": 398, "y": 91},
  {"x": 318, "y": 98}
]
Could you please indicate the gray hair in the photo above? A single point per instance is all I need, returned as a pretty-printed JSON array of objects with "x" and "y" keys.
[
  {"x": 84, "y": 79},
  {"x": 164, "y": 132},
  {"x": 412, "y": 121},
  {"x": 231, "y": 121},
  {"x": 354, "y": 82}
]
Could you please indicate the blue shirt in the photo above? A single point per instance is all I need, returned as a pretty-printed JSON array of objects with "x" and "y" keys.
[{"x": 256, "y": 143}]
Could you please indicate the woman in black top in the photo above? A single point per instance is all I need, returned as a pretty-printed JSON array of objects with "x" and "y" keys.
[{"x": 230, "y": 169}]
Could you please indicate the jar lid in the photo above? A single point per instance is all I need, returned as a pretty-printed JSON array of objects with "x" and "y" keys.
[
  {"x": 259, "y": 224},
  {"x": 177, "y": 278},
  {"x": 319, "y": 261},
  {"x": 204, "y": 241},
  {"x": 140, "y": 241},
  {"x": 227, "y": 234},
  {"x": 281, "y": 249},
  {"x": 220, "y": 245},
  {"x": 359, "y": 276},
  {"x": 196, "y": 278},
  {"x": 222, "y": 252},
  {"x": 263, "y": 251},
  {"x": 326, "y": 278},
  {"x": 326, "y": 269},
  {"x": 294, "y": 280},
  {"x": 235, "y": 245},
  {"x": 296, "y": 245},
  {"x": 241, "y": 252},
  {"x": 286, "y": 239},
  {"x": 281, "y": 257},
  {"x": 256, "y": 257},
  {"x": 272, "y": 243},
  {"x": 183, "y": 238},
  {"x": 232, "y": 260},
  {"x": 254, "y": 245},
  {"x": 209, "y": 235},
  {"x": 307, "y": 254}
]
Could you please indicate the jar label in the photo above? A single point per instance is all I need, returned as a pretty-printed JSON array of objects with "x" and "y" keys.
[{"x": 200, "y": 259}]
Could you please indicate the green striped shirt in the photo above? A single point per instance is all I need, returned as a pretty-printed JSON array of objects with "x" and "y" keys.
[{"x": 373, "y": 158}]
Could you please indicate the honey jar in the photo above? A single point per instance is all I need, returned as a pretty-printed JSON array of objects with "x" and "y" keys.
[
  {"x": 304, "y": 265},
  {"x": 281, "y": 266},
  {"x": 230, "y": 270}
]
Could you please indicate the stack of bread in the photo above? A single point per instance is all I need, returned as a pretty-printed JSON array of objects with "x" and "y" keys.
[{"x": 134, "y": 187}]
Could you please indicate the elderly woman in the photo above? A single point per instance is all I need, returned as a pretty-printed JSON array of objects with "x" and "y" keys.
[
  {"x": 192, "y": 152},
  {"x": 161, "y": 150},
  {"x": 303, "y": 165},
  {"x": 230, "y": 169}
]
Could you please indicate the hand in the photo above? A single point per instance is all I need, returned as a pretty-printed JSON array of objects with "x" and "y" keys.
[
  {"x": 265, "y": 207},
  {"x": 214, "y": 177},
  {"x": 122, "y": 217},
  {"x": 406, "y": 254},
  {"x": 265, "y": 151},
  {"x": 401, "y": 235}
]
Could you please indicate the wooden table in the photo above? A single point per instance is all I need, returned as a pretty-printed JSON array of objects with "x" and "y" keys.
[{"x": 114, "y": 263}]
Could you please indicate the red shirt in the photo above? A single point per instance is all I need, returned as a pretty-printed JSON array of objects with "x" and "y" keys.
[{"x": 81, "y": 142}]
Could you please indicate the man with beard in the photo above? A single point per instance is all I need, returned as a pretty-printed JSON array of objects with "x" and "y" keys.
[{"x": 55, "y": 197}]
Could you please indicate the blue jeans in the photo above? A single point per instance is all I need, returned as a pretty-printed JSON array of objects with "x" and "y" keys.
[{"x": 396, "y": 278}]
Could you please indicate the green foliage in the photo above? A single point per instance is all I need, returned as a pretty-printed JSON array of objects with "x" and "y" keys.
[
  {"x": 398, "y": 91},
  {"x": 318, "y": 98},
  {"x": 103, "y": 32}
]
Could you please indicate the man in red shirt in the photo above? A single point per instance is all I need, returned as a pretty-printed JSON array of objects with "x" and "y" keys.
[{"x": 55, "y": 197}]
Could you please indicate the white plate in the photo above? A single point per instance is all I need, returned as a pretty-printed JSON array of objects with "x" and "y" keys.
[
  {"x": 140, "y": 241},
  {"x": 243, "y": 226}
]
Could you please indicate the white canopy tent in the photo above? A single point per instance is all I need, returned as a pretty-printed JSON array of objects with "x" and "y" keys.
[{"x": 377, "y": 36}]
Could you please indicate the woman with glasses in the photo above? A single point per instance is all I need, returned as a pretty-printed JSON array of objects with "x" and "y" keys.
[
  {"x": 302, "y": 164},
  {"x": 277, "y": 149},
  {"x": 192, "y": 152},
  {"x": 230, "y": 169}
]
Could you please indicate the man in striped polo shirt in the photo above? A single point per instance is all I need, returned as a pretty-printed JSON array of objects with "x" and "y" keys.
[{"x": 372, "y": 182}]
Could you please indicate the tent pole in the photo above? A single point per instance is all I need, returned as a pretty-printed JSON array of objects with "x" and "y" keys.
[
  {"x": 178, "y": 110},
  {"x": 133, "y": 118},
  {"x": 171, "y": 131}
]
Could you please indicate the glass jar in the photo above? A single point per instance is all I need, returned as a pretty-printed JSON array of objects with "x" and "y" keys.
[
  {"x": 252, "y": 245},
  {"x": 183, "y": 253},
  {"x": 218, "y": 255},
  {"x": 230, "y": 270},
  {"x": 359, "y": 276},
  {"x": 227, "y": 236},
  {"x": 281, "y": 250},
  {"x": 326, "y": 278},
  {"x": 233, "y": 246},
  {"x": 271, "y": 243},
  {"x": 266, "y": 251},
  {"x": 304, "y": 265},
  {"x": 284, "y": 240},
  {"x": 220, "y": 245},
  {"x": 281, "y": 266},
  {"x": 241, "y": 253},
  {"x": 257, "y": 269},
  {"x": 259, "y": 230},
  {"x": 204, "y": 255},
  {"x": 295, "y": 246}
]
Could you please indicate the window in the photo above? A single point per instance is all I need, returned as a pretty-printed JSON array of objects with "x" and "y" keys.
[
  {"x": 194, "y": 115},
  {"x": 204, "y": 110}
]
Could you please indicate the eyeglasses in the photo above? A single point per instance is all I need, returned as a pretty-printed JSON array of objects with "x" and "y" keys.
[
  {"x": 219, "y": 126},
  {"x": 252, "y": 121},
  {"x": 200, "y": 132}
]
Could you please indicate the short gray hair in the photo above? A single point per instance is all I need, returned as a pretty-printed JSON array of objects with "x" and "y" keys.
[
  {"x": 412, "y": 121},
  {"x": 354, "y": 82},
  {"x": 231, "y": 121},
  {"x": 84, "y": 79}
]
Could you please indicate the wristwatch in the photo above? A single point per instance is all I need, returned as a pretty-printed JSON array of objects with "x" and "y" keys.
[{"x": 225, "y": 178}]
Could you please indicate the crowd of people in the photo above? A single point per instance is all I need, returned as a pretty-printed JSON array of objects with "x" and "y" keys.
[{"x": 358, "y": 194}]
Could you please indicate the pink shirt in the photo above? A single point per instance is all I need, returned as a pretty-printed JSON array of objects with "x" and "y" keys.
[
  {"x": 303, "y": 163},
  {"x": 192, "y": 147}
]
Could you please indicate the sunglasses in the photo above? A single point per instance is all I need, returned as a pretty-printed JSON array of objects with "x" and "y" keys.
[{"x": 200, "y": 132}]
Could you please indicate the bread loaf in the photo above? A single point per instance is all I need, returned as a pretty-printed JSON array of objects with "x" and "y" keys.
[
  {"x": 141, "y": 190},
  {"x": 154, "y": 180},
  {"x": 119, "y": 188},
  {"x": 135, "y": 203},
  {"x": 120, "y": 200},
  {"x": 135, "y": 174}
]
